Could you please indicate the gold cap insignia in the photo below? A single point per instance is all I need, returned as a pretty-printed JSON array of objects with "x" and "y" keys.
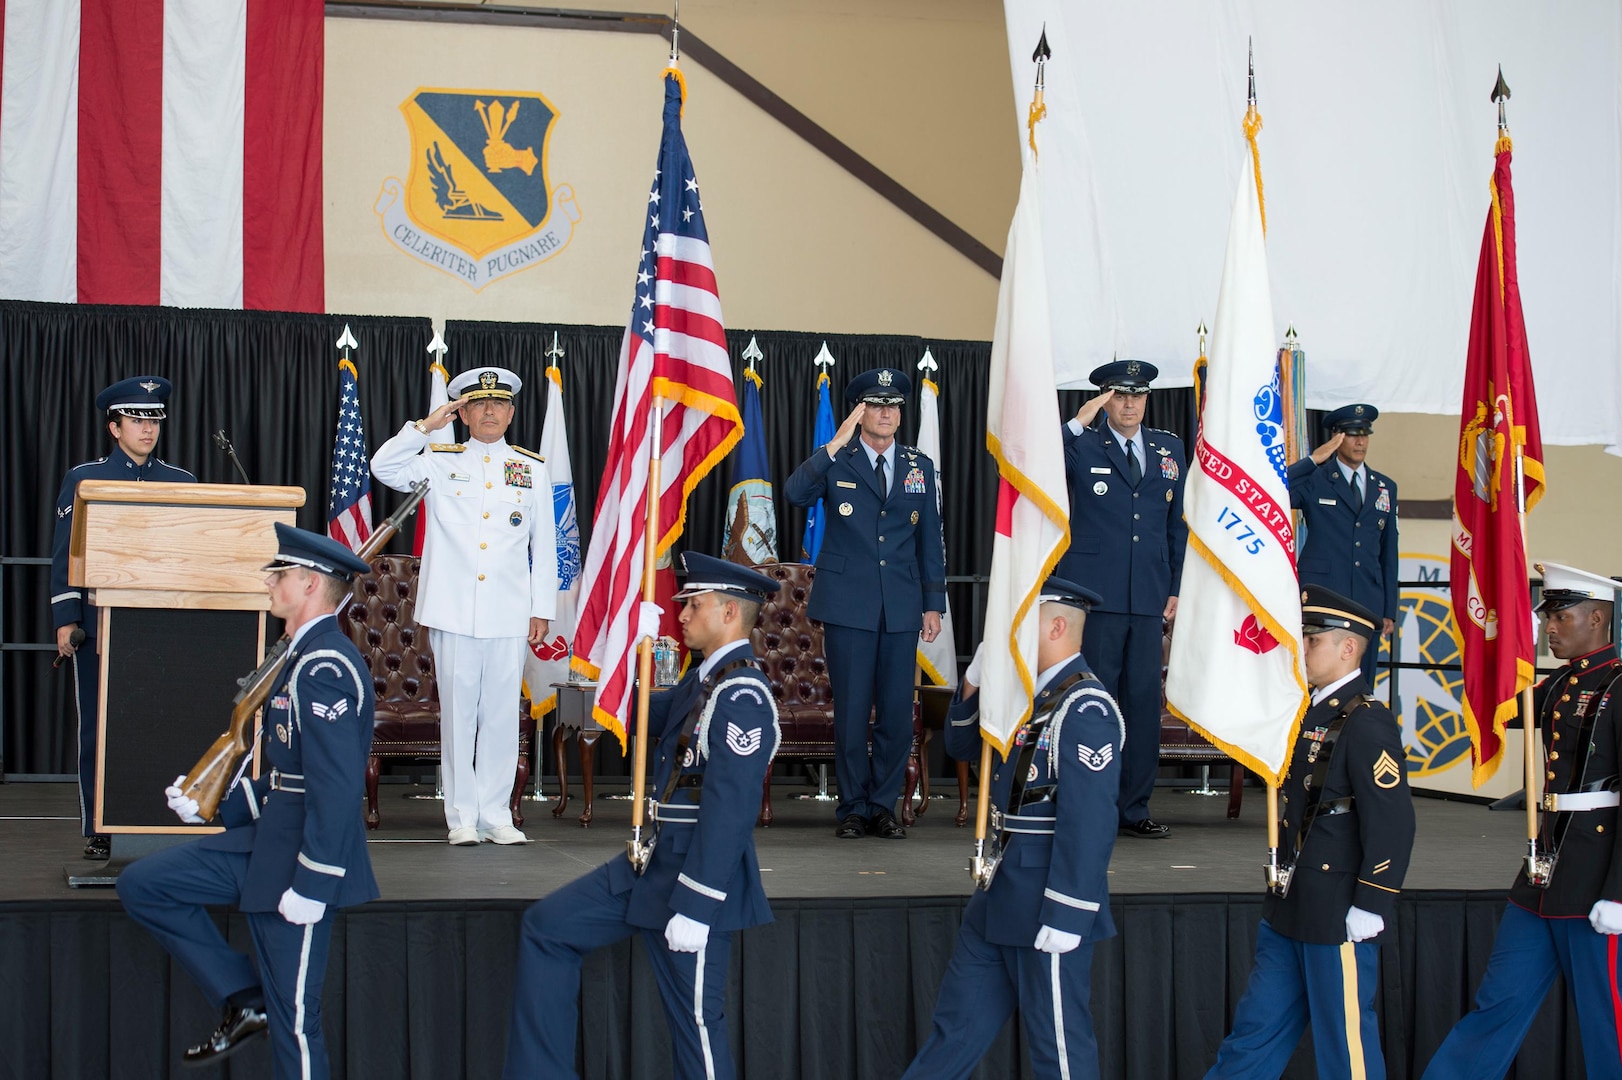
[{"x": 487, "y": 380}]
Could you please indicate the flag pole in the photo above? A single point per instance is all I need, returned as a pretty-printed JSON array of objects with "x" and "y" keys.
[{"x": 637, "y": 849}]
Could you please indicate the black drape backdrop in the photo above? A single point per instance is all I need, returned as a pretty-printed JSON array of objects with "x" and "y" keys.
[{"x": 270, "y": 381}]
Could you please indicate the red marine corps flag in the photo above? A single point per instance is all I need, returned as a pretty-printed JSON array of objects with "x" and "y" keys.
[{"x": 1499, "y": 478}]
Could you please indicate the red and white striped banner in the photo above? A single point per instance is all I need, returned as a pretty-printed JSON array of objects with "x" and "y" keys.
[{"x": 162, "y": 152}]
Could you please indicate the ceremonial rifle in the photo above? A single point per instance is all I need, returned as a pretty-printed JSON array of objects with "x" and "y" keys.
[{"x": 210, "y": 779}]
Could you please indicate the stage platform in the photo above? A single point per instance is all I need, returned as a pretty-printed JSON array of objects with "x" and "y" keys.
[{"x": 842, "y": 985}]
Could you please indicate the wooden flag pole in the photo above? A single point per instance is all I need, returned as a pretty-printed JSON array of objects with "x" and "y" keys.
[
  {"x": 1529, "y": 720},
  {"x": 982, "y": 812},
  {"x": 638, "y": 850}
]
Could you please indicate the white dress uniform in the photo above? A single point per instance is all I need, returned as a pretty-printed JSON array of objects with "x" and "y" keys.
[{"x": 489, "y": 565}]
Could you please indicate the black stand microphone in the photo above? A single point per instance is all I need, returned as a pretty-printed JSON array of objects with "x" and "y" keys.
[
  {"x": 75, "y": 639},
  {"x": 223, "y": 441}
]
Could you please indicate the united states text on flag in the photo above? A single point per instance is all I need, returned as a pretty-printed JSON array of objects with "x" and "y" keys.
[
  {"x": 937, "y": 658},
  {"x": 548, "y": 662},
  {"x": 162, "y": 152},
  {"x": 674, "y": 350},
  {"x": 1492, "y": 610},
  {"x": 1235, "y": 672},
  {"x": 349, "y": 507}
]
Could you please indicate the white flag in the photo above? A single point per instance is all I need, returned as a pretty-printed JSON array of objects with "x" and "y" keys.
[
  {"x": 548, "y": 662},
  {"x": 1033, "y": 503},
  {"x": 937, "y": 658},
  {"x": 1235, "y": 672}
]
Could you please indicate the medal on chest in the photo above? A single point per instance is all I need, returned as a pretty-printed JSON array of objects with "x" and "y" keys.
[
  {"x": 516, "y": 474},
  {"x": 1316, "y": 737},
  {"x": 915, "y": 481}
]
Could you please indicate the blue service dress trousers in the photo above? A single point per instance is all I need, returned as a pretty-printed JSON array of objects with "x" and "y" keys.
[
  {"x": 1526, "y": 954},
  {"x": 868, "y": 669},
  {"x": 587, "y": 914},
  {"x": 87, "y": 686},
  {"x": 167, "y": 891},
  {"x": 1125, "y": 653},
  {"x": 1291, "y": 980}
]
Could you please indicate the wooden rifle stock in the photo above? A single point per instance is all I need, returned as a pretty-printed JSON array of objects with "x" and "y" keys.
[{"x": 210, "y": 779}]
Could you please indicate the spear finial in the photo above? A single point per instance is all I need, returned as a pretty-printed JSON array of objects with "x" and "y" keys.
[
  {"x": 927, "y": 364},
  {"x": 554, "y": 355},
  {"x": 1202, "y": 332},
  {"x": 1039, "y": 108},
  {"x": 1500, "y": 94},
  {"x": 346, "y": 341},
  {"x": 824, "y": 358},
  {"x": 752, "y": 352},
  {"x": 1250, "y": 63}
]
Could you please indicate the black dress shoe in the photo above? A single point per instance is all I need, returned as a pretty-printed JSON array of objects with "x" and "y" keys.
[
  {"x": 851, "y": 828},
  {"x": 883, "y": 824},
  {"x": 98, "y": 849},
  {"x": 236, "y": 1028},
  {"x": 1147, "y": 829}
]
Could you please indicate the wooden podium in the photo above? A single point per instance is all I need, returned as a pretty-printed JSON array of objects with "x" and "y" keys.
[{"x": 176, "y": 570}]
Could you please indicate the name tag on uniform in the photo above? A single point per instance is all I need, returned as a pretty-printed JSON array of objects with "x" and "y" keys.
[
  {"x": 1100, "y": 470},
  {"x": 845, "y": 483},
  {"x": 463, "y": 477},
  {"x": 1326, "y": 502}
]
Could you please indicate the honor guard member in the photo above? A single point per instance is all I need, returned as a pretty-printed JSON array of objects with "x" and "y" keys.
[
  {"x": 489, "y": 583},
  {"x": 1350, "y": 512},
  {"x": 1127, "y": 538},
  {"x": 134, "y": 409},
  {"x": 1565, "y": 917},
  {"x": 294, "y": 846},
  {"x": 1346, "y": 833},
  {"x": 880, "y": 587},
  {"x": 716, "y": 733},
  {"x": 1026, "y": 941}
]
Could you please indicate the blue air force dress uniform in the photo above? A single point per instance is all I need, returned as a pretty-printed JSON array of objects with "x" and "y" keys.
[
  {"x": 1127, "y": 540},
  {"x": 1351, "y": 526},
  {"x": 882, "y": 565},
  {"x": 489, "y": 565},
  {"x": 1347, "y": 831},
  {"x": 1571, "y": 923},
  {"x": 1055, "y": 812},
  {"x": 142, "y": 397},
  {"x": 295, "y": 830},
  {"x": 716, "y": 733}
]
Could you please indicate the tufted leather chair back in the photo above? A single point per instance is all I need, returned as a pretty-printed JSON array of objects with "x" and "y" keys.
[
  {"x": 381, "y": 621},
  {"x": 789, "y": 646}
]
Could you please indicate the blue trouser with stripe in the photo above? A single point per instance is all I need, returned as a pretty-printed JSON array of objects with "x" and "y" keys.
[
  {"x": 1291, "y": 981},
  {"x": 871, "y": 674},
  {"x": 1527, "y": 952},
  {"x": 166, "y": 892},
  {"x": 558, "y": 932},
  {"x": 86, "y": 687},
  {"x": 983, "y": 984},
  {"x": 1125, "y": 652}
]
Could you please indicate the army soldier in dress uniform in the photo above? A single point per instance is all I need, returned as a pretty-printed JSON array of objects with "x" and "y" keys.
[
  {"x": 1346, "y": 834},
  {"x": 489, "y": 582},
  {"x": 1351, "y": 521},
  {"x": 1027, "y": 940},
  {"x": 717, "y": 733},
  {"x": 1127, "y": 538},
  {"x": 294, "y": 845},
  {"x": 880, "y": 587},
  {"x": 1566, "y": 918},
  {"x": 134, "y": 409}
]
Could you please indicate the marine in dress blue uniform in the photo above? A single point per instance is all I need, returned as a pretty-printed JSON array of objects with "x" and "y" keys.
[
  {"x": 294, "y": 847},
  {"x": 880, "y": 586},
  {"x": 1350, "y": 512},
  {"x": 1570, "y": 923},
  {"x": 716, "y": 733},
  {"x": 1127, "y": 540},
  {"x": 1346, "y": 834},
  {"x": 135, "y": 410},
  {"x": 1027, "y": 940}
]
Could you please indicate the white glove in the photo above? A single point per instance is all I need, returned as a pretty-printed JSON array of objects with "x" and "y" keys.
[
  {"x": 185, "y": 808},
  {"x": 1049, "y": 940},
  {"x": 648, "y": 616},
  {"x": 301, "y": 910},
  {"x": 972, "y": 675},
  {"x": 1606, "y": 917},
  {"x": 1362, "y": 925},
  {"x": 686, "y": 935}
]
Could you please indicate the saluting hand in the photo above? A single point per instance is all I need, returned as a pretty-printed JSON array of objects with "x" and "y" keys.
[
  {"x": 1090, "y": 407},
  {"x": 847, "y": 430},
  {"x": 1321, "y": 455},
  {"x": 441, "y": 416}
]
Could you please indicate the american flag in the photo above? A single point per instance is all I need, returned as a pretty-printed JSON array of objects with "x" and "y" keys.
[
  {"x": 349, "y": 512},
  {"x": 674, "y": 348}
]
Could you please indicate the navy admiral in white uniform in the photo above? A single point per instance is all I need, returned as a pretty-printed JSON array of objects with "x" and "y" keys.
[
  {"x": 294, "y": 845},
  {"x": 1027, "y": 940},
  {"x": 1127, "y": 539},
  {"x": 880, "y": 587},
  {"x": 135, "y": 411},
  {"x": 1570, "y": 921},
  {"x": 716, "y": 733},
  {"x": 1347, "y": 830},
  {"x": 1350, "y": 512},
  {"x": 489, "y": 583}
]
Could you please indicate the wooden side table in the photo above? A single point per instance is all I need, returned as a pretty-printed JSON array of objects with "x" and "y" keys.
[{"x": 575, "y": 701}]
